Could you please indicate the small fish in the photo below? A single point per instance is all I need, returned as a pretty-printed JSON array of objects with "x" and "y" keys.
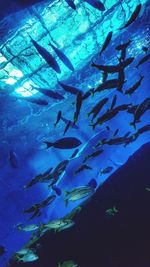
[
  {"x": 133, "y": 16},
  {"x": 12, "y": 156},
  {"x": 58, "y": 118},
  {"x": 78, "y": 107},
  {"x": 97, "y": 108},
  {"x": 37, "y": 101},
  {"x": 29, "y": 257},
  {"x": 141, "y": 109},
  {"x": 143, "y": 60},
  {"x": 70, "y": 89},
  {"x": 113, "y": 102},
  {"x": 72, "y": 125},
  {"x": 121, "y": 80},
  {"x": 46, "y": 56},
  {"x": 67, "y": 127},
  {"x": 145, "y": 49},
  {"x": 122, "y": 107},
  {"x": 57, "y": 190},
  {"x": 131, "y": 90},
  {"x": 71, "y": 4},
  {"x": 82, "y": 168},
  {"x": 106, "y": 170},
  {"x": 69, "y": 263},
  {"x": 143, "y": 129},
  {"x": 147, "y": 189},
  {"x": 38, "y": 178},
  {"x": 96, "y": 4},
  {"x": 27, "y": 228},
  {"x": 105, "y": 117},
  {"x": 79, "y": 193},
  {"x": 24, "y": 251},
  {"x": 2, "y": 250},
  {"x": 93, "y": 155},
  {"x": 111, "y": 211},
  {"x": 58, "y": 224},
  {"x": 60, "y": 54},
  {"x": 109, "y": 84},
  {"x": 49, "y": 93},
  {"x": 74, "y": 153},
  {"x": 106, "y": 43},
  {"x": 64, "y": 143}
]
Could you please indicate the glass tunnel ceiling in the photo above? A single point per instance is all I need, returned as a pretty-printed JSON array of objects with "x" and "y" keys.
[{"x": 78, "y": 33}]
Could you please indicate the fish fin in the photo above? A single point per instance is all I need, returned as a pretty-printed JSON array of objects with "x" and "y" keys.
[
  {"x": 66, "y": 193},
  {"x": 48, "y": 144},
  {"x": 133, "y": 124}
]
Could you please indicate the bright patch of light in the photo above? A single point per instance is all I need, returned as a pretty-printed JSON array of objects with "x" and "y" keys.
[
  {"x": 2, "y": 59},
  {"x": 26, "y": 90},
  {"x": 10, "y": 81},
  {"x": 83, "y": 27},
  {"x": 16, "y": 73}
]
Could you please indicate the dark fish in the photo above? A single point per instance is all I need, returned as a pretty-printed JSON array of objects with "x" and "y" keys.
[
  {"x": 141, "y": 109},
  {"x": 46, "y": 56},
  {"x": 12, "y": 156},
  {"x": 106, "y": 170},
  {"x": 35, "y": 209},
  {"x": 49, "y": 93},
  {"x": 121, "y": 80},
  {"x": 82, "y": 168},
  {"x": 123, "y": 46},
  {"x": 116, "y": 132},
  {"x": 38, "y": 178},
  {"x": 133, "y": 16},
  {"x": 71, "y": 4},
  {"x": 122, "y": 107},
  {"x": 113, "y": 68},
  {"x": 106, "y": 43},
  {"x": 67, "y": 127},
  {"x": 145, "y": 49},
  {"x": 78, "y": 107},
  {"x": 93, "y": 155},
  {"x": 143, "y": 60},
  {"x": 92, "y": 183},
  {"x": 70, "y": 89},
  {"x": 38, "y": 101},
  {"x": 57, "y": 190},
  {"x": 113, "y": 102},
  {"x": 63, "y": 57},
  {"x": 58, "y": 118},
  {"x": 88, "y": 93},
  {"x": 144, "y": 129},
  {"x": 131, "y": 90},
  {"x": 2, "y": 250},
  {"x": 72, "y": 125},
  {"x": 74, "y": 153},
  {"x": 65, "y": 143},
  {"x": 104, "y": 75},
  {"x": 47, "y": 201},
  {"x": 96, "y": 4},
  {"x": 131, "y": 109},
  {"x": 97, "y": 108},
  {"x": 105, "y": 117},
  {"x": 109, "y": 84}
]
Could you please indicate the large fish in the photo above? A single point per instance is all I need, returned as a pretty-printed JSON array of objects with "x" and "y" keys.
[
  {"x": 105, "y": 117},
  {"x": 46, "y": 56},
  {"x": 49, "y": 93},
  {"x": 64, "y": 143},
  {"x": 71, "y": 4},
  {"x": 69, "y": 88},
  {"x": 106, "y": 43},
  {"x": 63, "y": 57},
  {"x": 109, "y": 84},
  {"x": 96, "y": 4},
  {"x": 97, "y": 108},
  {"x": 133, "y": 16}
]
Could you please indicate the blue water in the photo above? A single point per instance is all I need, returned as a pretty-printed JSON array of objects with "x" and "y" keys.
[{"x": 25, "y": 126}]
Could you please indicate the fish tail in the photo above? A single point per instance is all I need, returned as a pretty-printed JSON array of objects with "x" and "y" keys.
[
  {"x": 48, "y": 144},
  {"x": 66, "y": 193},
  {"x": 133, "y": 124}
]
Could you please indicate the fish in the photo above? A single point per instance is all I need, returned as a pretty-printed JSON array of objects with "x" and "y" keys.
[
  {"x": 46, "y": 56},
  {"x": 121, "y": 80},
  {"x": 122, "y": 107},
  {"x": 123, "y": 46},
  {"x": 60, "y": 54},
  {"x": 2, "y": 250},
  {"x": 58, "y": 118},
  {"x": 97, "y": 108},
  {"x": 49, "y": 93},
  {"x": 143, "y": 129},
  {"x": 116, "y": 141},
  {"x": 105, "y": 117},
  {"x": 24, "y": 251},
  {"x": 69, "y": 88},
  {"x": 114, "y": 68},
  {"x": 141, "y": 109},
  {"x": 78, "y": 107},
  {"x": 69, "y": 263},
  {"x": 109, "y": 84},
  {"x": 67, "y": 127},
  {"x": 143, "y": 60},
  {"x": 12, "y": 156},
  {"x": 57, "y": 190},
  {"x": 47, "y": 201},
  {"x": 59, "y": 224},
  {"x": 74, "y": 154},
  {"x": 27, "y": 228},
  {"x": 29, "y": 257},
  {"x": 64, "y": 143},
  {"x": 106, "y": 43},
  {"x": 145, "y": 49},
  {"x": 88, "y": 93},
  {"x": 147, "y": 189},
  {"x": 96, "y": 4},
  {"x": 106, "y": 170},
  {"x": 79, "y": 193},
  {"x": 72, "y": 125},
  {"x": 113, "y": 102},
  {"x": 131, "y": 109},
  {"x": 112, "y": 211},
  {"x": 104, "y": 77},
  {"x": 133, "y": 88},
  {"x": 93, "y": 155},
  {"x": 38, "y": 178},
  {"x": 38, "y": 101},
  {"x": 92, "y": 183},
  {"x": 133, "y": 16},
  {"x": 82, "y": 168},
  {"x": 71, "y": 4}
]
